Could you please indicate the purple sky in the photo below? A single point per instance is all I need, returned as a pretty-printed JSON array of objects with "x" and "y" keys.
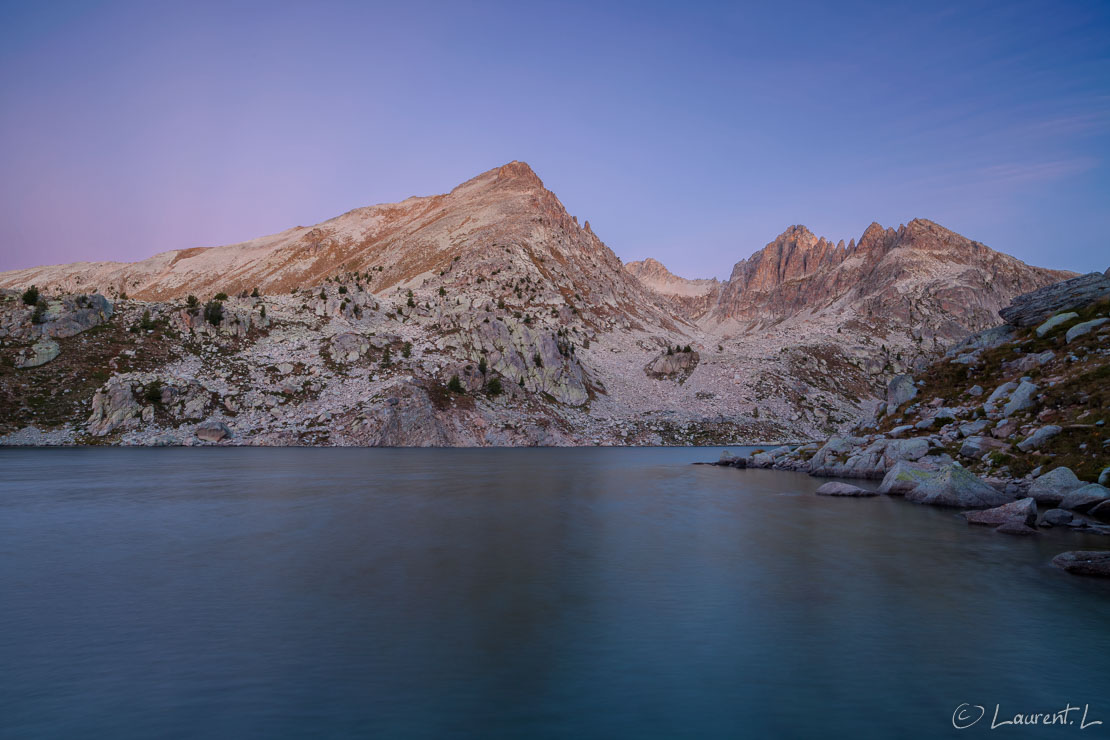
[{"x": 693, "y": 133}]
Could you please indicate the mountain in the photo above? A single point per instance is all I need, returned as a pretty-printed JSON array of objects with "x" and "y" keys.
[
  {"x": 691, "y": 299},
  {"x": 484, "y": 316},
  {"x": 501, "y": 220}
]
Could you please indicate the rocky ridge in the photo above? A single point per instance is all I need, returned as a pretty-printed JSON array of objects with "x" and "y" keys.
[{"x": 485, "y": 316}]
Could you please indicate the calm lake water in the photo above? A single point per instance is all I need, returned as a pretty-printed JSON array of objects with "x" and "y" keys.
[{"x": 590, "y": 593}]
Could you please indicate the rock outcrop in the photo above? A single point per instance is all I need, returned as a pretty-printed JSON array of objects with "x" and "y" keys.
[{"x": 1030, "y": 309}]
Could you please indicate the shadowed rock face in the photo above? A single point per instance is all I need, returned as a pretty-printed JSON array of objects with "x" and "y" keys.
[{"x": 1034, "y": 307}]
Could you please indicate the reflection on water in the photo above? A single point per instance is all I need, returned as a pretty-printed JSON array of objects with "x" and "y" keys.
[{"x": 513, "y": 593}]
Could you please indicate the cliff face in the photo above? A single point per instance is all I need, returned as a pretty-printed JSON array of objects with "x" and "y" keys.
[{"x": 920, "y": 275}]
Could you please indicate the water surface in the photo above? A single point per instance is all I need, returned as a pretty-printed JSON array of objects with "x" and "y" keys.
[{"x": 582, "y": 593}]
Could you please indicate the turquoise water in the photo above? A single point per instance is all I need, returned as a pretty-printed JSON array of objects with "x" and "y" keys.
[{"x": 582, "y": 593}]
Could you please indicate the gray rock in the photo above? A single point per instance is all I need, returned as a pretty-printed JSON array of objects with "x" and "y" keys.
[
  {"x": 844, "y": 489},
  {"x": 1032, "y": 308},
  {"x": 1100, "y": 511},
  {"x": 1083, "y": 329},
  {"x": 914, "y": 448},
  {"x": 1052, "y": 323},
  {"x": 1056, "y": 518},
  {"x": 1020, "y": 399},
  {"x": 900, "y": 431},
  {"x": 213, "y": 431},
  {"x": 900, "y": 389},
  {"x": 903, "y": 477},
  {"x": 998, "y": 395},
  {"x": 1016, "y": 528},
  {"x": 972, "y": 428},
  {"x": 1104, "y": 477},
  {"x": 1085, "y": 497},
  {"x": 976, "y": 447},
  {"x": 1022, "y": 512},
  {"x": 1084, "y": 562},
  {"x": 1053, "y": 486},
  {"x": 986, "y": 339},
  {"x": 956, "y": 486},
  {"x": 975, "y": 390},
  {"x": 113, "y": 405},
  {"x": 1039, "y": 437},
  {"x": 40, "y": 353}
]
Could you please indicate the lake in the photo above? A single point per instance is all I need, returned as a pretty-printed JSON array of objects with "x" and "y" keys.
[{"x": 538, "y": 593}]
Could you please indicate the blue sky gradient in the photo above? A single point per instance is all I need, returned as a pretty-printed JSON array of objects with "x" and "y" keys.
[{"x": 693, "y": 133}]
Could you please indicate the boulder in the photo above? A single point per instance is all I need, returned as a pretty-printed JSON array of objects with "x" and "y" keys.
[
  {"x": 972, "y": 428},
  {"x": 976, "y": 447},
  {"x": 1083, "y": 329},
  {"x": 212, "y": 431},
  {"x": 899, "y": 431},
  {"x": 903, "y": 477},
  {"x": 844, "y": 489},
  {"x": 1084, "y": 562},
  {"x": 1052, "y": 323},
  {"x": 675, "y": 366},
  {"x": 1053, "y": 486},
  {"x": 1104, "y": 477},
  {"x": 1017, "y": 528},
  {"x": 998, "y": 395},
  {"x": 1085, "y": 498},
  {"x": 900, "y": 389},
  {"x": 113, "y": 405},
  {"x": 956, "y": 486},
  {"x": 1056, "y": 518},
  {"x": 1039, "y": 437},
  {"x": 1020, "y": 399},
  {"x": 897, "y": 450},
  {"x": 40, "y": 353},
  {"x": 348, "y": 347},
  {"x": 1032, "y": 308},
  {"x": 1021, "y": 512},
  {"x": 1100, "y": 511}
]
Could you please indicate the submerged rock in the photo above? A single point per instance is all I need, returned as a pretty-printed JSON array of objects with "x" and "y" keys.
[
  {"x": 844, "y": 489},
  {"x": 1084, "y": 562}
]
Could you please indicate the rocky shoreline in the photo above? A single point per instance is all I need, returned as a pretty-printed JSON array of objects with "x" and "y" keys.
[{"x": 1008, "y": 426}]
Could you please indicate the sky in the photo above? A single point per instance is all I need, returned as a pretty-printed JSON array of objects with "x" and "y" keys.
[{"x": 692, "y": 132}]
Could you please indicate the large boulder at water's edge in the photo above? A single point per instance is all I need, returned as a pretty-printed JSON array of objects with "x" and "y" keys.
[
  {"x": 1021, "y": 512},
  {"x": 213, "y": 431},
  {"x": 1053, "y": 486},
  {"x": 957, "y": 486},
  {"x": 1086, "y": 497},
  {"x": 903, "y": 477}
]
